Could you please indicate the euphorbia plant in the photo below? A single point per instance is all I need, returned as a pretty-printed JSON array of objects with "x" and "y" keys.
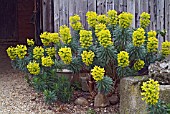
[
  {"x": 104, "y": 83},
  {"x": 110, "y": 45},
  {"x": 150, "y": 92}
]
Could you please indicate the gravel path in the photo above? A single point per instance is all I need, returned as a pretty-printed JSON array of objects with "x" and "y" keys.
[
  {"x": 17, "y": 97},
  {"x": 15, "y": 94}
]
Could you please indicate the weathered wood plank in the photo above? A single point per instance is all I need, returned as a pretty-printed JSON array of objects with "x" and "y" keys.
[
  {"x": 92, "y": 5},
  {"x": 137, "y": 7},
  {"x": 125, "y": 5},
  {"x": 145, "y": 6},
  {"x": 56, "y": 15},
  {"x": 65, "y": 8},
  {"x": 81, "y": 10},
  {"x": 152, "y": 5},
  {"x": 116, "y": 5},
  {"x": 63, "y": 11},
  {"x": 160, "y": 19},
  {"x": 101, "y": 8},
  {"x": 131, "y": 9},
  {"x": 167, "y": 19},
  {"x": 47, "y": 16},
  {"x": 120, "y": 5}
]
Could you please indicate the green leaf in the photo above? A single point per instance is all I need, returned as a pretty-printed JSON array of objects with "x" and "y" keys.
[{"x": 105, "y": 85}]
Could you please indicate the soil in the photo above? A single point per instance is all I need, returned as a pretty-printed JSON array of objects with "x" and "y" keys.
[{"x": 17, "y": 97}]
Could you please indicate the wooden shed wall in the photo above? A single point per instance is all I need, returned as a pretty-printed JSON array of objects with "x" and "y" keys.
[{"x": 60, "y": 10}]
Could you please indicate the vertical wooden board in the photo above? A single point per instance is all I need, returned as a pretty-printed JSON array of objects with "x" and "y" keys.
[
  {"x": 152, "y": 14},
  {"x": 168, "y": 22},
  {"x": 125, "y": 5},
  {"x": 101, "y": 9},
  {"x": 56, "y": 15},
  {"x": 137, "y": 23},
  {"x": 92, "y": 5},
  {"x": 160, "y": 19},
  {"x": 44, "y": 5},
  {"x": 113, "y": 5},
  {"x": 106, "y": 5},
  {"x": 63, "y": 11},
  {"x": 116, "y": 5},
  {"x": 121, "y": 5},
  {"x": 167, "y": 19},
  {"x": 81, "y": 10},
  {"x": 145, "y": 5},
  {"x": 47, "y": 16},
  {"x": 72, "y": 7},
  {"x": 66, "y": 8},
  {"x": 137, "y": 14},
  {"x": 140, "y": 6},
  {"x": 110, "y": 5},
  {"x": 131, "y": 9}
]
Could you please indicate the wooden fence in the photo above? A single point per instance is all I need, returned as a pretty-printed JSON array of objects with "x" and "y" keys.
[{"x": 56, "y": 12}]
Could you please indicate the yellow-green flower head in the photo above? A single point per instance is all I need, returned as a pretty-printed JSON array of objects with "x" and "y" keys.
[
  {"x": 38, "y": 52},
  {"x": 144, "y": 19},
  {"x": 99, "y": 27},
  {"x": 97, "y": 73},
  {"x": 104, "y": 38},
  {"x": 152, "y": 44},
  {"x": 45, "y": 38},
  {"x": 65, "y": 34},
  {"x": 138, "y": 65},
  {"x": 30, "y": 42},
  {"x": 125, "y": 19},
  {"x": 150, "y": 92},
  {"x": 87, "y": 57},
  {"x": 11, "y": 51},
  {"x": 54, "y": 37},
  {"x": 75, "y": 22},
  {"x": 50, "y": 51},
  {"x": 47, "y": 61},
  {"x": 165, "y": 48},
  {"x": 138, "y": 37},
  {"x": 91, "y": 18},
  {"x": 33, "y": 68},
  {"x": 152, "y": 33},
  {"x": 123, "y": 59},
  {"x": 102, "y": 19},
  {"x": 65, "y": 55},
  {"x": 86, "y": 38},
  {"x": 112, "y": 16},
  {"x": 21, "y": 51}
]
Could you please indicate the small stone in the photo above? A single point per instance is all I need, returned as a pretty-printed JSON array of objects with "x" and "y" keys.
[
  {"x": 114, "y": 99},
  {"x": 101, "y": 100},
  {"x": 160, "y": 71},
  {"x": 84, "y": 84},
  {"x": 81, "y": 101},
  {"x": 33, "y": 98},
  {"x": 105, "y": 110}
]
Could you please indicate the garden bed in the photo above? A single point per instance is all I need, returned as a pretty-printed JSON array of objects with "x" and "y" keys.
[{"x": 17, "y": 96}]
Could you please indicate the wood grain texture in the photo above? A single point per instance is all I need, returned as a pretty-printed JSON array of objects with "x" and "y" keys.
[
  {"x": 56, "y": 15},
  {"x": 158, "y": 9}
]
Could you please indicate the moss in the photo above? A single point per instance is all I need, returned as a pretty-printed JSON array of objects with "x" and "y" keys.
[{"x": 138, "y": 77}]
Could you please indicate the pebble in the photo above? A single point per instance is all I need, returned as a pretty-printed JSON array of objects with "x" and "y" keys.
[{"x": 16, "y": 95}]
